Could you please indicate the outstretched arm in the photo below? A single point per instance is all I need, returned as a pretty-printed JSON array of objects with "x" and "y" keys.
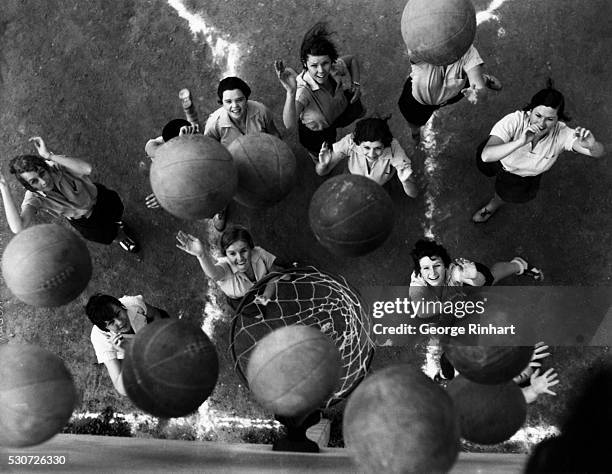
[
  {"x": 353, "y": 66},
  {"x": 328, "y": 159},
  {"x": 193, "y": 246},
  {"x": 477, "y": 92},
  {"x": 75, "y": 165},
  {"x": 466, "y": 272},
  {"x": 291, "y": 110},
  {"x": 540, "y": 384}
]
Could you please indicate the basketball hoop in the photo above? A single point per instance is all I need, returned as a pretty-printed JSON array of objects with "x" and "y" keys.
[{"x": 308, "y": 297}]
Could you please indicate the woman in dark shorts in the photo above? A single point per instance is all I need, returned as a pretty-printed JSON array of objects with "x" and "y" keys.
[
  {"x": 61, "y": 186},
  {"x": 436, "y": 275},
  {"x": 325, "y": 95},
  {"x": 436, "y": 278},
  {"x": 525, "y": 144}
]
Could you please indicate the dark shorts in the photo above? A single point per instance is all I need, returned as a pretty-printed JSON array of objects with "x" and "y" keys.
[
  {"x": 102, "y": 226},
  {"x": 312, "y": 140},
  {"x": 486, "y": 272},
  {"x": 508, "y": 186},
  {"x": 413, "y": 111}
]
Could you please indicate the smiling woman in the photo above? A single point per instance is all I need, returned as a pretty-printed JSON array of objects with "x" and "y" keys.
[
  {"x": 525, "y": 144},
  {"x": 241, "y": 266}
]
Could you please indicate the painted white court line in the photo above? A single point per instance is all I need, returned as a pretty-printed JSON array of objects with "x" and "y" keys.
[{"x": 226, "y": 54}]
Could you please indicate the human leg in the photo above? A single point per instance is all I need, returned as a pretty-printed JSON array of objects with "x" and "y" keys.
[
  {"x": 483, "y": 214},
  {"x": 516, "y": 266},
  {"x": 415, "y": 113}
]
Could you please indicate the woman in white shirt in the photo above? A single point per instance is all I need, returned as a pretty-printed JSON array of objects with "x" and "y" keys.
[{"x": 525, "y": 144}]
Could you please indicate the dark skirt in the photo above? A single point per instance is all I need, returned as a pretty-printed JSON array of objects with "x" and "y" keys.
[
  {"x": 509, "y": 186},
  {"x": 102, "y": 225},
  {"x": 416, "y": 113}
]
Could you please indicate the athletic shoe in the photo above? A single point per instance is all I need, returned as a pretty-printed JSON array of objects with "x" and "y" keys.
[{"x": 527, "y": 270}]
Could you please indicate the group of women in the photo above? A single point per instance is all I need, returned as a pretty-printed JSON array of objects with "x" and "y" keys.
[{"x": 323, "y": 97}]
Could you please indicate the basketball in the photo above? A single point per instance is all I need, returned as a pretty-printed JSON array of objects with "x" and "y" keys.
[
  {"x": 398, "y": 420},
  {"x": 351, "y": 215},
  {"x": 438, "y": 32},
  {"x": 193, "y": 177},
  {"x": 266, "y": 169},
  {"x": 293, "y": 370},
  {"x": 37, "y": 395},
  {"x": 488, "y": 414},
  {"x": 488, "y": 364},
  {"x": 170, "y": 368},
  {"x": 46, "y": 265}
]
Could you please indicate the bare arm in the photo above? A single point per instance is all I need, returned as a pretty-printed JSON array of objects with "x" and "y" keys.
[
  {"x": 353, "y": 66},
  {"x": 115, "y": 371},
  {"x": 540, "y": 384},
  {"x": 291, "y": 109},
  {"x": 496, "y": 149},
  {"x": 75, "y": 165},
  {"x": 477, "y": 91},
  {"x": 152, "y": 145},
  {"x": 16, "y": 221},
  {"x": 193, "y": 246}
]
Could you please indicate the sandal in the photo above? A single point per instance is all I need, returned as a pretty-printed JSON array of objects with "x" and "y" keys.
[
  {"x": 482, "y": 215},
  {"x": 126, "y": 242},
  {"x": 492, "y": 82},
  {"x": 129, "y": 245},
  {"x": 527, "y": 270}
]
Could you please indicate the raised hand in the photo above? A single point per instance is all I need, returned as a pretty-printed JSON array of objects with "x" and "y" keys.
[
  {"x": 152, "y": 202},
  {"x": 465, "y": 269},
  {"x": 41, "y": 148},
  {"x": 529, "y": 134},
  {"x": 190, "y": 244},
  {"x": 471, "y": 94},
  {"x": 325, "y": 155},
  {"x": 542, "y": 383},
  {"x": 539, "y": 352},
  {"x": 585, "y": 138},
  {"x": 189, "y": 130},
  {"x": 356, "y": 90},
  {"x": 286, "y": 76}
]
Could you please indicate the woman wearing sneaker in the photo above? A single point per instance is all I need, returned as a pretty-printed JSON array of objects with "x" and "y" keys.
[
  {"x": 525, "y": 144},
  {"x": 61, "y": 186},
  {"x": 430, "y": 87}
]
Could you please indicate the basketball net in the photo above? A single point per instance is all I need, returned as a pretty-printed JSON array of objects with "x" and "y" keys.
[{"x": 308, "y": 297}]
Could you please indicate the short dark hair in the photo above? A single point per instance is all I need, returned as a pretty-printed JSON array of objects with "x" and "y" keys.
[
  {"x": 173, "y": 128},
  {"x": 234, "y": 234},
  {"x": 373, "y": 130},
  {"x": 232, "y": 83},
  {"x": 317, "y": 42},
  {"x": 101, "y": 308},
  {"x": 23, "y": 164},
  {"x": 549, "y": 97},
  {"x": 428, "y": 248}
]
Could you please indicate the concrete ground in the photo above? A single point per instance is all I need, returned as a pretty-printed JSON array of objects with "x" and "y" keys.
[{"x": 96, "y": 80}]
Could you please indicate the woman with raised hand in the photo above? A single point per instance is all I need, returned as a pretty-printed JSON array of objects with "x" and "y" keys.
[
  {"x": 241, "y": 266},
  {"x": 524, "y": 145},
  {"x": 61, "y": 186},
  {"x": 372, "y": 152},
  {"x": 325, "y": 95}
]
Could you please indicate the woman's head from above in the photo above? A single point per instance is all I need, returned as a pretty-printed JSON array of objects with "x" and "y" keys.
[
  {"x": 32, "y": 172},
  {"x": 236, "y": 244},
  {"x": 108, "y": 314},
  {"x": 431, "y": 260},
  {"x": 546, "y": 108},
  {"x": 233, "y": 95},
  {"x": 173, "y": 128},
  {"x": 372, "y": 135},
  {"x": 318, "y": 52}
]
